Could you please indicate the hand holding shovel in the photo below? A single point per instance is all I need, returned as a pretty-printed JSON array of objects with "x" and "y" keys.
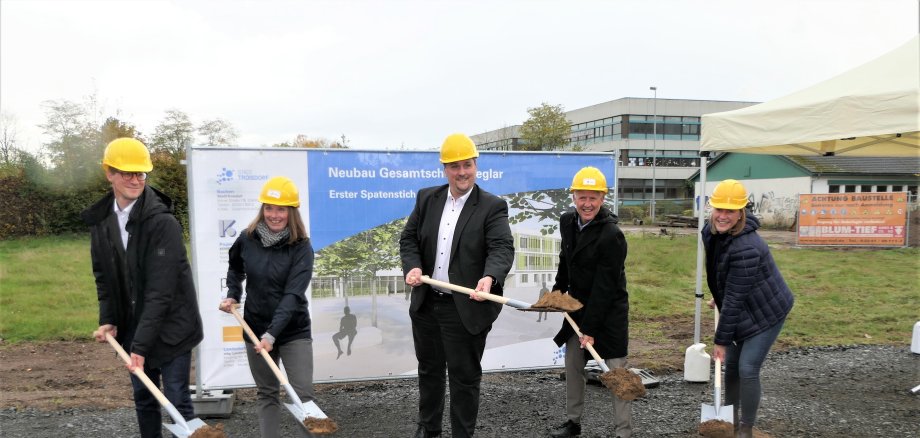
[
  {"x": 564, "y": 305},
  {"x": 309, "y": 415},
  {"x": 181, "y": 428},
  {"x": 712, "y": 414},
  {"x": 623, "y": 383}
]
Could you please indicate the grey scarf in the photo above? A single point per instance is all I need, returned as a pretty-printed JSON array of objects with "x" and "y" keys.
[{"x": 270, "y": 238}]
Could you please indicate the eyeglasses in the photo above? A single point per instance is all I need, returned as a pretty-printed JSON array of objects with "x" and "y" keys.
[{"x": 128, "y": 176}]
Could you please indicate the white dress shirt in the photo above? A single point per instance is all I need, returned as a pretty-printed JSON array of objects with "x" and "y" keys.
[{"x": 449, "y": 218}]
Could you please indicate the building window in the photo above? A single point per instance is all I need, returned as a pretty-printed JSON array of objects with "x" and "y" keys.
[
  {"x": 865, "y": 188},
  {"x": 881, "y": 188},
  {"x": 833, "y": 188},
  {"x": 850, "y": 188},
  {"x": 897, "y": 188}
]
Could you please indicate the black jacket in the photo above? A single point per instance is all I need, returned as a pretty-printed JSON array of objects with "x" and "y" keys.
[
  {"x": 482, "y": 245},
  {"x": 145, "y": 291},
  {"x": 276, "y": 285},
  {"x": 592, "y": 268},
  {"x": 745, "y": 282}
]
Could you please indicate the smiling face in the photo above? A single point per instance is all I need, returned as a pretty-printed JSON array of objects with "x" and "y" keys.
[
  {"x": 461, "y": 175},
  {"x": 724, "y": 220},
  {"x": 126, "y": 188},
  {"x": 587, "y": 203},
  {"x": 276, "y": 217}
]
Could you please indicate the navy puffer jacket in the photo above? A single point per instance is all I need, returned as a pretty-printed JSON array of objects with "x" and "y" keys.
[{"x": 745, "y": 282}]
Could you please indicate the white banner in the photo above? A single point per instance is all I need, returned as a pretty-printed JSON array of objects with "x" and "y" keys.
[{"x": 354, "y": 204}]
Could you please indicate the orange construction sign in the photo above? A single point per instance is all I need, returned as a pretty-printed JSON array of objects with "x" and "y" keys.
[{"x": 853, "y": 219}]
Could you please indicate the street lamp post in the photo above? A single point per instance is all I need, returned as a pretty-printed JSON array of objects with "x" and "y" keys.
[{"x": 654, "y": 144}]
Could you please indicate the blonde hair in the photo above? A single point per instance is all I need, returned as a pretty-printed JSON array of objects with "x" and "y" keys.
[{"x": 295, "y": 224}]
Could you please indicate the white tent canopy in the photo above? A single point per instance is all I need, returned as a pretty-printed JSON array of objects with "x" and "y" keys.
[{"x": 871, "y": 110}]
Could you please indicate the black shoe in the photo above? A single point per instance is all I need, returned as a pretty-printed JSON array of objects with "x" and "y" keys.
[
  {"x": 422, "y": 433},
  {"x": 568, "y": 429}
]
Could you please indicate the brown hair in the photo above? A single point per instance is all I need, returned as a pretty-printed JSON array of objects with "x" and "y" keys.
[{"x": 295, "y": 224}]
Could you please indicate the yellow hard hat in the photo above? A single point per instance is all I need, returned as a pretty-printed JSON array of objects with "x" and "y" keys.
[
  {"x": 589, "y": 178},
  {"x": 458, "y": 147},
  {"x": 128, "y": 155},
  {"x": 281, "y": 191},
  {"x": 729, "y": 195}
]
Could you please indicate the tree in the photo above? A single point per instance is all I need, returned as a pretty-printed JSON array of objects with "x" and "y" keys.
[
  {"x": 113, "y": 128},
  {"x": 544, "y": 206},
  {"x": 9, "y": 147},
  {"x": 75, "y": 149},
  {"x": 547, "y": 128},
  {"x": 218, "y": 132},
  {"x": 174, "y": 134},
  {"x": 303, "y": 141}
]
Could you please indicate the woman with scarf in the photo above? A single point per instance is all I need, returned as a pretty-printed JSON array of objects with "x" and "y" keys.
[{"x": 274, "y": 256}]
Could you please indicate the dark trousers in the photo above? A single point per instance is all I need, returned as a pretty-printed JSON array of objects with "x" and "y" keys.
[
  {"x": 742, "y": 372},
  {"x": 442, "y": 345},
  {"x": 175, "y": 377}
]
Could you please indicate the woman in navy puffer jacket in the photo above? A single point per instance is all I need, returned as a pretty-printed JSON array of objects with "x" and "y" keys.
[{"x": 751, "y": 295}]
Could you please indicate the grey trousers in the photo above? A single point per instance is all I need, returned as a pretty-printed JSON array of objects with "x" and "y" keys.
[
  {"x": 297, "y": 357},
  {"x": 575, "y": 380}
]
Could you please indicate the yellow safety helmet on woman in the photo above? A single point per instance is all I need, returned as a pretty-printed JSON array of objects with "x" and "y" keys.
[
  {"x": 589, "y": 178},
  {"x": 127, "y": 155},
  {"x": 729, "y": 195},
  {"x": 280, "y": 191},
  {"x": 458, "y": 147}
]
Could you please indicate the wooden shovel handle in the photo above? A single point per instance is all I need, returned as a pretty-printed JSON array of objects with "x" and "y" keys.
[
  {"x": 255, "y": 339},
  {"x": 718, "y": 370},
  {"x": 597, "y": 357},
  {"x": 139, "y": 372},
  {"x": 465, "y": 290}
]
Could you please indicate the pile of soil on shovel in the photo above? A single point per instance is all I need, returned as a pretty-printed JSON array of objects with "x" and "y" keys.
[
  {"x": 724, "y": 429},
  {"x": 209, "y": 432},
  {"x": 556, "y": 301},
  {"x": 717, "y": 429},
  {"x": 320, "y": 425},
  {"x": 625, "y": 384}
]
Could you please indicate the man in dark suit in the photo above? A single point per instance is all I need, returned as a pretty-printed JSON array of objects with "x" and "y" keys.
[{"x": 456, "y": 233}]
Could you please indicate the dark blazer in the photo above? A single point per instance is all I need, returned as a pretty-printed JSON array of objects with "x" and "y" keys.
[
  {"x": 147, "y": 291},
  {"x": 745, "y": 282},
  {"x": 592, "y": 269},
  {"x": 482, "y": 246}
]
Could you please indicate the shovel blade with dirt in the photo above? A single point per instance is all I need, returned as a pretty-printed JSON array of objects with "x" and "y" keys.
[
  {"x": 181, "y": 427},
  {"x": 717, "y": 412},
  {"x": 555, "y": 304},
  {"x": 624, "y": 384},
  {"x": 309, "y": 415}
]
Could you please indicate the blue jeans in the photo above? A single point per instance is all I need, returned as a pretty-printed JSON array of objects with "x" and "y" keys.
[
  {"x": 743, "y": 360},
  {"x": 175, "y": 377}
]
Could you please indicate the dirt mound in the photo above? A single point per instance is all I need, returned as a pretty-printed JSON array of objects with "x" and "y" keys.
[
  {"x": 625, "y": 384},
  {"x": 209, "y": 432}
]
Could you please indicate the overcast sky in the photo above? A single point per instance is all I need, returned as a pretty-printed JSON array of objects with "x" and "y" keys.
[{"x": 392, "y": 74}]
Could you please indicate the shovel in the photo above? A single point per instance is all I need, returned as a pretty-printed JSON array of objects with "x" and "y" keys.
[
  {"x": 511, "y": 302},
  {"x": 717, "y": 412},
  {"x": 607, "y": 377},
  {"x": 181, "y": 428},
  {"x": 300, "y": 410}
]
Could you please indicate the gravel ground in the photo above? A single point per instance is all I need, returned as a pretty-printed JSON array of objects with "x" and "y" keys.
[{"x": 856, "y": 391}]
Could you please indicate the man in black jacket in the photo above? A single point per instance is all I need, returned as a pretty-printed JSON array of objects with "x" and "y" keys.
[
  {"x": 144, "y": 283},
  {"x": 460, "y": 234},
  {"x": 592, "y": 270}
]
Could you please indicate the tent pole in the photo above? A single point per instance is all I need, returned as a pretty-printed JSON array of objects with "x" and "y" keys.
[{"x": 700, "y": 251}]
